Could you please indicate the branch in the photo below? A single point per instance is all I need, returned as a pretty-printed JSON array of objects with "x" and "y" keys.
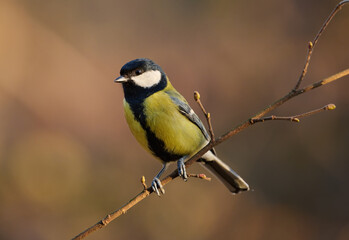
[
  {"x": 200, "y": 176},
  {"x": 296, "y": 117},
  {"x": 214, "y": 142},
  {"x": 311, "y": 45},
  {"x": 146, "y": 192},
  {"x": 207, "y": 114}
]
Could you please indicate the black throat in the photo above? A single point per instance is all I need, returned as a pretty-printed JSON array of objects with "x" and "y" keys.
[{"x": 136, "y": 95}]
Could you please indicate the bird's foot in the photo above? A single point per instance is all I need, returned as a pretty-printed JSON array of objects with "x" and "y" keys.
[
  {"x": 181, "y": 169},
  {"x": 157, "y": 186}
]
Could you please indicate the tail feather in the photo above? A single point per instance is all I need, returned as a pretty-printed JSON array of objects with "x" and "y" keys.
[{"x": 224, "y": 173}]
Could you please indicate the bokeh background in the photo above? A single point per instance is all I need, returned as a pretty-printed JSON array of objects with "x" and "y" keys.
[{"x": 67, "y": 157}]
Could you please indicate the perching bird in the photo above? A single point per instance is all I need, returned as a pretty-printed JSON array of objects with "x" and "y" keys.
[{"x": 165, "y": 125}]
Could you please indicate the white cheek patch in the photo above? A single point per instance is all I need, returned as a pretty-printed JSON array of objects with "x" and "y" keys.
[{"x": 147, "y": 79}]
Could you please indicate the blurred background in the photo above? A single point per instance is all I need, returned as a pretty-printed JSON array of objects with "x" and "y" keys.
[{"x": 67, "y": 157}]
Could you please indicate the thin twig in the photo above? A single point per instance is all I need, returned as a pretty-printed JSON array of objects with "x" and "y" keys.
[
  {"x": 279, "y": 102},
  {"x": 296, "y": 117},
  {"x": 207, "y": 114},
  {"x": 311, "y": 45},
  {"x": 201, "y": 176},
  {"x": 214, "y": 142},
  {"x": 273, "y": 117},
  {"x": 330, "y": 106}
]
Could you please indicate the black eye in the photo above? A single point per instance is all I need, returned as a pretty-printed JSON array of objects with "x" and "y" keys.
[{"x": 138, "y": 72}]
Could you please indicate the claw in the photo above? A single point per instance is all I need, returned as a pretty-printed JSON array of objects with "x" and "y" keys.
[
  {"x": 156, "y": 185},
  {"x": 181, "y": 169}
]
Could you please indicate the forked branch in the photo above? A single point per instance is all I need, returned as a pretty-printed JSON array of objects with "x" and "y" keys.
[
  {"x": 311, "y": 45},
  {"x": 259, "y": 117}
]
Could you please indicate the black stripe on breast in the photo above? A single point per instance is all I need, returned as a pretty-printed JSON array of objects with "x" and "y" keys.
[{"x": 156, "y": 145}]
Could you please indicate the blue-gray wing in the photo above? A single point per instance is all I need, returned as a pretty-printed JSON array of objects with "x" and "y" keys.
[{"x": 186, "y": 110}]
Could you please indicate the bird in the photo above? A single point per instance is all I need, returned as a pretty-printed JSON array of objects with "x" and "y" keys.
[{"x": 166, "y": 126}]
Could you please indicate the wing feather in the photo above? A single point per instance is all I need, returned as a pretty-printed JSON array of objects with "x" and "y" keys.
[{"x": 187, "y": 111}]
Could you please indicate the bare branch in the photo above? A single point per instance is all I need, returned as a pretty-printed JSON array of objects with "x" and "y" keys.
[
  {"x": 146, "y": 192},
  {"x": 207, "y": 114},
  {"x": 110, "y": 217},
  {"x": 294, "y": 118},
  {"x": 273, "y": 117},
  {"x": 330, "y": 106},
  {"x": 200, "y": 176},
  {"x": 325, "y": 81},
  {"x": 279, "y": 102},
  {"x": 293, "y": 93},
  {"x": 311, "y": 45}
]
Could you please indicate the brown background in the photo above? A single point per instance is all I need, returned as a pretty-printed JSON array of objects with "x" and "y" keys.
[{"x": 67, "y": 157}]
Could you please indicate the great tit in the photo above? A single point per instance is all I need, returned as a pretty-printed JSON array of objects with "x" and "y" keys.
[{"x": 165, "y": 125}]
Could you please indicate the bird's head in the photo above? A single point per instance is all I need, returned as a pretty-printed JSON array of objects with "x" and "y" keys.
[
  {"x": 141, "y": 72},
  {"x": 141, "y": 78}
]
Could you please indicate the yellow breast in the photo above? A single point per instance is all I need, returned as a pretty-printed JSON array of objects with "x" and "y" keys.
[
  {"x": 138, "y": 132},
  {"x": 163, "y": 118},
  {"x": 179, "y": 134}
]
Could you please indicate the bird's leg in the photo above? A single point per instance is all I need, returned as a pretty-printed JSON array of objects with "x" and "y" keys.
[
  {"x": 181, "y": 168},
  {"x": 156, "y": 183}
]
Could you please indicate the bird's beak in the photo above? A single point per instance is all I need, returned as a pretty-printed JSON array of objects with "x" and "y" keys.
[{"x": 120, "y": 79}]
